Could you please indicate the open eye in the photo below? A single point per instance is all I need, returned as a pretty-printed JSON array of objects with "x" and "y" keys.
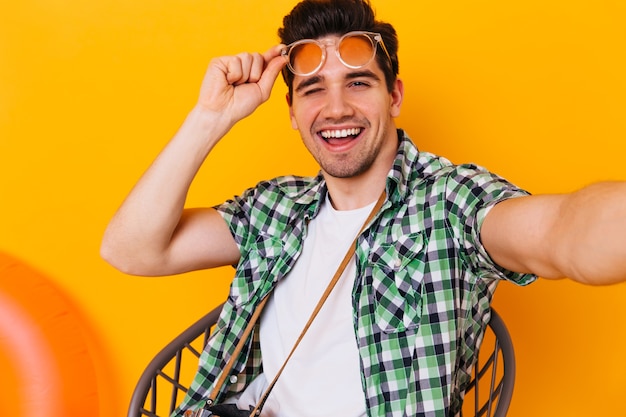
[{"x": 360, "y": 84}]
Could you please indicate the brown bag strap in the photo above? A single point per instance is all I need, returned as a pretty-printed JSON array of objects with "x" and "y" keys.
[
  {"x": 237, "y": 351},
  {"x": 320, "y": 303},
  {"x": 257, "y": 313}
]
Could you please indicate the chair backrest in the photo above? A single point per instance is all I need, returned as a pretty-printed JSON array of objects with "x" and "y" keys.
[
  {"x": 491, "y": 388},
  {"x": 166, "y": 379}
]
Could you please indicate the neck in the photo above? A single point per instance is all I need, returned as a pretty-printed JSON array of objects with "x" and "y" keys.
[
  {"x": 352, "y": 195},
  {"x": 358, "y": 191}
]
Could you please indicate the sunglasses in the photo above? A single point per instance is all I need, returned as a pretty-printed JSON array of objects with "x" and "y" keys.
[{"x": 354, "y": 50}]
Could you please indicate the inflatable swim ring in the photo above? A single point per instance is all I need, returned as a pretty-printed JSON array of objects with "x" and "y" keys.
[{"x": 47, "y": 370}]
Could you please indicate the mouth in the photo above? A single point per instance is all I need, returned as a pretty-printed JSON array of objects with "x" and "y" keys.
[{"x": 339, "y": 136}]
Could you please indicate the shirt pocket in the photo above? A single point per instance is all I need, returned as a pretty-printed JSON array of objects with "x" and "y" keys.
[
  {"x": 396, "y": 277},
  {"x": 256, "y": 267}
]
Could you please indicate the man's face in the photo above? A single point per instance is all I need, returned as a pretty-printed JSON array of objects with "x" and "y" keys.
[{"x": 345, "y": 116}]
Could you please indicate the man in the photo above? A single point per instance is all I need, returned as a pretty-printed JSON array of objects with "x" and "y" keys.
[{"x": 399, "y": 333}]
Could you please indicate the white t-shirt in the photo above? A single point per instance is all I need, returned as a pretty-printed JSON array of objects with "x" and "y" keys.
[{"x": 323, "y": 376}]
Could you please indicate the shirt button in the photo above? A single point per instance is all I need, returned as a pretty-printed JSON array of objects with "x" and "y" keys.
[
  {"x": 233, "y": 379},
  {"x": 398, "y": 263}
]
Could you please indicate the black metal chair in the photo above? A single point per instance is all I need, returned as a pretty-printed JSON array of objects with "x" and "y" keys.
[
  {"x": 166, "y": 379},
  {"x": 491, "y": 388}
]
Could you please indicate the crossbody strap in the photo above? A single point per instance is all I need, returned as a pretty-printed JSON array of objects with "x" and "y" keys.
[
  {"x": 257, "y": 313},
  {"x": 320, "y": 303},
  {"x": 237, "y": 351}
]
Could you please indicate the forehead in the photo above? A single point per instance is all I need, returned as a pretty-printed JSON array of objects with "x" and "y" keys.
[
  {"x": 325, "y": 40},
  {"x": 333, "y": 38},
  {"x": 329, "y": 39}
]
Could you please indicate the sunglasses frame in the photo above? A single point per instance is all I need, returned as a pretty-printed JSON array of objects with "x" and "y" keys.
[{"x": 375, "y": 39}]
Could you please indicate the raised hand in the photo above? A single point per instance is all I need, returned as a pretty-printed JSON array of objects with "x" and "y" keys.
[
  {"x": 151, "y": 233},
  {"x": 234, "y": 86}
]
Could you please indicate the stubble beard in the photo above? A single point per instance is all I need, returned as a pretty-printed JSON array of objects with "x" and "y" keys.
[
  {"x": 347, "y": 166},
  {"x": 354, "y": 163}
]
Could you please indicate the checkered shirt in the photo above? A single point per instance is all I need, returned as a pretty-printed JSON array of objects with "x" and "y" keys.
[{"x": 422, "y": 292}]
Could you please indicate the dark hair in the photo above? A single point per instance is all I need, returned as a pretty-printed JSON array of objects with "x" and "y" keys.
[{"x": 312, "y": 19}]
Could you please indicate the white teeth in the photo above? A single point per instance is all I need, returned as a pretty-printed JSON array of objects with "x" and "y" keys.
[{"x": 344, "y": 133}]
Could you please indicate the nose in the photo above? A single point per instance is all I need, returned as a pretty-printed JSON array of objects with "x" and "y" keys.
[{"x": 337, "y": 105}]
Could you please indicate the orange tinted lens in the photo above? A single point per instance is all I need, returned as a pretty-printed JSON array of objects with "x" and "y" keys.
[
  {"x": 305, "y": 58},
  {"x": 356, "y": 50}
]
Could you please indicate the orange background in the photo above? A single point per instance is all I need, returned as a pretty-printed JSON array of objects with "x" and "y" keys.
[{"x": 91, "y": 91}]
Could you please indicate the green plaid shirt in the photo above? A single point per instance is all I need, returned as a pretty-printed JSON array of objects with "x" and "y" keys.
[{"x": 422, "y": 292}]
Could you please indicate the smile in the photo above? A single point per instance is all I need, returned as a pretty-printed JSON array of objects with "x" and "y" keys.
[{"x": 340, "y": 133}]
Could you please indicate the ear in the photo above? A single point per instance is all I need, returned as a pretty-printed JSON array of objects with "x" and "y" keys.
[
  {"x": 294, "y": 124},
  {"x": 397, "y": 94}
]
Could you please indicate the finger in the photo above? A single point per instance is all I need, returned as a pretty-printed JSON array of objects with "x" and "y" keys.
[
  {"x": 274, "y": 63},
  {"x": 233, "y": 70},
  {"x": 257, "y": 67},
  {"x": 241, "y": 68},
  {"x": 273, "y": 52}
]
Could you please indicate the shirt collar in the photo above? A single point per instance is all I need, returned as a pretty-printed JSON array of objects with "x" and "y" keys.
[
  {"x": 307, "y": 192},
  {"x": 403, "y": 170}
]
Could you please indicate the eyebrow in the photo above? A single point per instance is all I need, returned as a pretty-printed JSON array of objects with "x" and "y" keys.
[
  {"x": 350, "y": 76},
  {"x": 308, "y": 82}
]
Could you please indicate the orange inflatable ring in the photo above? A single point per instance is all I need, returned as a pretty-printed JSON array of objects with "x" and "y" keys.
[{"x": 46, "y": 367}]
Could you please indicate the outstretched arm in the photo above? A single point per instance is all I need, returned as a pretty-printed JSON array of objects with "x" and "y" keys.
[
  {"x": 152, "y": 233},
  {"x": 581, "y": 235}
]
